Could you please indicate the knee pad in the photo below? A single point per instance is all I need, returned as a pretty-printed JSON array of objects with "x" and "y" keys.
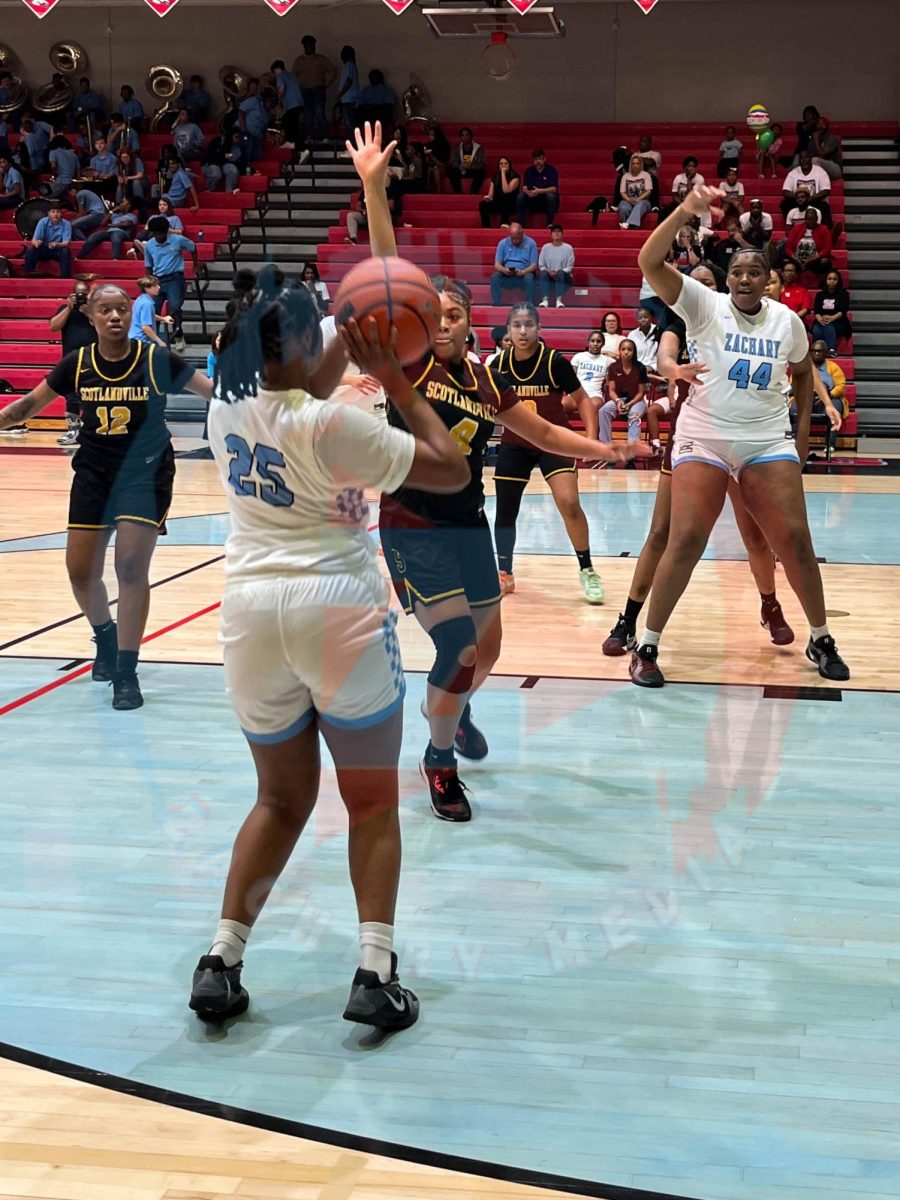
[{"x": 452, "y": 639}]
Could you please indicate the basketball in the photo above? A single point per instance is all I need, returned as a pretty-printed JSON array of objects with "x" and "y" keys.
[
  {"x": 758, "y": 116},
  {"x": 394, "y": 292}
]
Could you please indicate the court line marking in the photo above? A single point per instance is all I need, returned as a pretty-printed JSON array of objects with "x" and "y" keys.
[
  {"x": 329, "y": 1137},
  {"x": 25, "y": 637},
  {"x": 57, "y": 683}
]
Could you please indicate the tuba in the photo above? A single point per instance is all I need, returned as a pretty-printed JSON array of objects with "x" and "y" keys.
[
  {"x": 18, "y": 97},
  {"x": 416, "y": 105},
  {"x": 55, "y": 97},
  {"x": 166, "y": 84},
  {"x": 235, "y": 85}
]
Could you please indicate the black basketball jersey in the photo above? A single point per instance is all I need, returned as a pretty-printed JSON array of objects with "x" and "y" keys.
[
  {"x": 467, "y": 397},
  {"x": 539, "y": 381},
  {"x": 123, "y": 403}
]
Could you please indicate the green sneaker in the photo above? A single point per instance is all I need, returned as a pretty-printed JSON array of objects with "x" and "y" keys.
[{"x": 592, "y": 586}]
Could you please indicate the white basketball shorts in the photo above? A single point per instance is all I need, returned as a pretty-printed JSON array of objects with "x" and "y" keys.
[
  {"x": 297, "y": 649},
  {"x": 732, "y": 455}
]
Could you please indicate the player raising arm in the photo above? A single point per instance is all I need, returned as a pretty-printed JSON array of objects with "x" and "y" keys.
[
  {"x": 735, "y": 424},
  {"x": 439, "y": 549}
]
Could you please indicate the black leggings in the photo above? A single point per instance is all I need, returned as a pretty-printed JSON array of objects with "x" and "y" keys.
[{"x": 509, "y": 501}]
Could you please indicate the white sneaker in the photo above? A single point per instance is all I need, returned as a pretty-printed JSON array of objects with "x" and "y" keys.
[
  {"x": 288, "y": 146},
  {"x": 303, "y": 158},
  {"x": 623, "y": 224},
  {"x": 14, "y": 431},
  {"x": 69, "y": 438},
  {"x": 544, "y": 304},
  {"x": 559, "y": 304}
]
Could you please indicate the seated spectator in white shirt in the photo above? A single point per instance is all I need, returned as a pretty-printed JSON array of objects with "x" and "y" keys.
[
  {"x": 612, "y": 335},
  {"x": 798, "y": 213},
  {"x": 730, "y": 152},
  {"x": 646, "y": 339},
  {"x": 652, "y": 160},
  {"x": 556, "y": 263},
  {"x": 815, "y": 180},
  {"x": 732, "y": 196},
  {"x": 756, "y": 226},
  {"x": 591, "y": 365},
  {"x": 689, "y": 178},
  {"x": 636, "y": 188}
]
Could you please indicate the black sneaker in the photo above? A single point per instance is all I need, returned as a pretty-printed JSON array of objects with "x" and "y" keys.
[
  {"x": 621, "y": 639},
  {"x": 385, "y": 1005},
  {"x": 448, "y": 793},
  {"x": 216, "y": 992},
  {"x": 772, "y": 618},
  {"x": 470, "y": 742},
  {"x": 126, "y": 692},
  {"x": 104, "y": 668},
  {"x": 823, "y": 652},
  {"x": 643, "y": 670}
]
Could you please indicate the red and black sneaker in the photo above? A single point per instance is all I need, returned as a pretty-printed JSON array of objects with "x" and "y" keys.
[
  {"x": 470, "y": 742},
  {"x": 772, "y": 618},
  {"x": 643, "y": 670},
  {"x": 448, "y": 792},
  {"x": 621, "y": 639}
]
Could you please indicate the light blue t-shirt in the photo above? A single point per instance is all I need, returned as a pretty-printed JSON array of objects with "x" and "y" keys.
[
  {"x": 104, "y": 164},
  {"x": 517, "y": 257},
  {"x": 289, "y": 91},
  {"x": 131, "y": 110},
  {"x": 90, "y": 202},
  {"x": 46, "y": 231},
  {"x": 255, "y": 115},
  {"x": 143, "y": 312},
  {"x": 66, "y": 163},
  {"x": 180, "y": 186},
  {"x": 12, "y": 177},
  {"x": 166, "y": 258},
  {"x": 349, "y": 71}
]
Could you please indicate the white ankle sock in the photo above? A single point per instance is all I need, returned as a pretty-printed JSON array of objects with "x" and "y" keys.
[
  {"x": 815, "y": 632},
  {"x": 229, "y": 942},
  {"x": 649, "y": 638},
  {"x": 376, "y": 941}
]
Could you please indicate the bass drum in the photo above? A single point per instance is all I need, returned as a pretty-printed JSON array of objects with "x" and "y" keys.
[{"x": 28, "y": 214}]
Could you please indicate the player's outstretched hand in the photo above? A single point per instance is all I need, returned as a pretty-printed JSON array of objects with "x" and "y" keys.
[
  {"x": 619, "y": 451},
  {"x": 689, "y": 372},
  {"x": 368, "y": 156},
  {"x": 372, "y": 354},
  {"x": 703, "y": 200}
]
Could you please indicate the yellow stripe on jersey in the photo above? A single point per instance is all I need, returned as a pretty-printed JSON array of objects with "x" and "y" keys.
[{"x": 116, "y": 378}]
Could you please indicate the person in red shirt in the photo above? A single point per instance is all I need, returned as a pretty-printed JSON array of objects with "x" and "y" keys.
[
  {"x": 809, "y": 244},
  {"x": 797, "y": 298}
]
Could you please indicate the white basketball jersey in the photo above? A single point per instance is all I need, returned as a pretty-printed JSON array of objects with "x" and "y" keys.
[
  {"x": 294, "y": 469},
  {"x": 742, "y": 392},
  {"x": 370, "y": 402}
]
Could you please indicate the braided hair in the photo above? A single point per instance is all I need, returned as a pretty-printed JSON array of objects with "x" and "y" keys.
[{"x": 271, "y": 323}]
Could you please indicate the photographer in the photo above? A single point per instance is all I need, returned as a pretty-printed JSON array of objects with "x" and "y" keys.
[{"x": 71, "y": 321}]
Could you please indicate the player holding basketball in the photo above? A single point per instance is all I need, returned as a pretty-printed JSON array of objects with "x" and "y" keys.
[
  {"x": 309, "y": 638},
  {"x": 124, "y": 472},
  {"x": 673, "y": 364},
  {"x": 735, "y": 423},
  {"x": 438, "y": 548},
  {"x": 541, "y": 377}
]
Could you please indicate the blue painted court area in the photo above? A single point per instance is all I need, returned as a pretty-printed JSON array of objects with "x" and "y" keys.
[
  {"x": 665, "y": 953},
  {"x": 861, "y": 528}
]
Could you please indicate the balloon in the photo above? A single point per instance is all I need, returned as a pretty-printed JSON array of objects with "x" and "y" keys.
[
  {"x": 758, "y": 116},
  {"x": 764, "y": 139}
]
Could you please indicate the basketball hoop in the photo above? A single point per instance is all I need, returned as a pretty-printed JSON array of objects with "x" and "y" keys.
[{"x": 497, "y": 59}]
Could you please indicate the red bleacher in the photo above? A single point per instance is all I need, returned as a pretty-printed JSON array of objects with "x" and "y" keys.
[
  {"x": 446, "y": 232},
  {"x": 27, "y": 347}
]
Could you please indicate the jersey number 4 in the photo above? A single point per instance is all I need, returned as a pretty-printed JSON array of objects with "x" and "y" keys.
[
  {"x": 462, "y": 433},
  {"x": 740, "y": 375},
  {"x": 271, "y": 488}
]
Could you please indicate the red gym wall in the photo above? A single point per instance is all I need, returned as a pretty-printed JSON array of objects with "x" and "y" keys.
[{"x": 688, "y": 58}]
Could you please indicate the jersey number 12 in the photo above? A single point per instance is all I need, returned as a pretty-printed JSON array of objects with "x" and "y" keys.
[
  {"x": 263, "y": 459},
  {"x": 740, "y": 375}
]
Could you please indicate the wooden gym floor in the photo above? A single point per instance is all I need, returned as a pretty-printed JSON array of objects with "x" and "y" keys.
[{"x": 662, "y": 960}]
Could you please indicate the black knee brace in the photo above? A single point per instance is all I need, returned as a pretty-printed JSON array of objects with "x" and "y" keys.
[{"x": 451, "y": 641}]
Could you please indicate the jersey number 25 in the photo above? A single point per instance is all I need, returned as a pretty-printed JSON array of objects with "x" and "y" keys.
[{"x": 271, "y": 488}]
